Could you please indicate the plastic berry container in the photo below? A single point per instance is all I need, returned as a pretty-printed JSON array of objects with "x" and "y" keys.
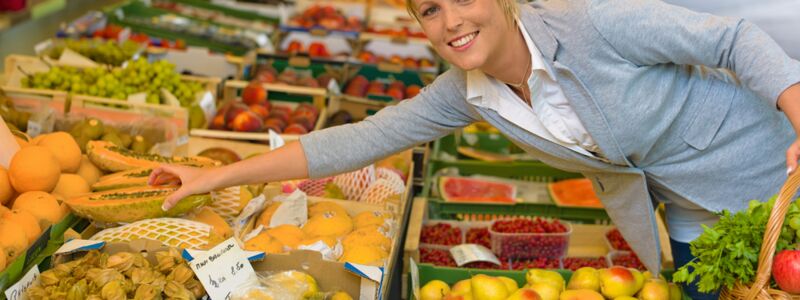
[
  {"x": 530, "y": 245},
  {"x": 459, "y": 239},
  {"x": 626, "y": 259},
  {"x": 576, "y": 262},
  {"x": 611, "y": 246}
]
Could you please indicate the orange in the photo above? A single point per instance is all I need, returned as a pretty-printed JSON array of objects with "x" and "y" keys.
[
  {"x": 6, "y": 191},
  {"x": 65, "y": 148},
  {"x": 263, "y": 242},
  {"x": 71, "y": 185},
  {"x": 34, "y": 168},
  {"x": 218, "y": 225},
  {"x": 266, "y": 216},
  {"x": 2, "y": 259},
  {"x": 26, "y": 221},
  {"x": 41, "y": 205},
  {"x": 89, "y": 171},
  {"x": 289, "y": 235},
  {"x": 12, "y": 240}
]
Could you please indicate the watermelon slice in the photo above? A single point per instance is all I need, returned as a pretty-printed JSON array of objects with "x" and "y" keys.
[
  {"x": 574, "y": 193},
  {"x": 465, "y": 189}
]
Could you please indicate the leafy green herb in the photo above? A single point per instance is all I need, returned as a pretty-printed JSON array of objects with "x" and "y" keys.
[{"x": 728, "y": 251}]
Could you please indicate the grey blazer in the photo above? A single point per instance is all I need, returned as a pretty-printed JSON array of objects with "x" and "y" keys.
[{"x": 643, "y": 78}]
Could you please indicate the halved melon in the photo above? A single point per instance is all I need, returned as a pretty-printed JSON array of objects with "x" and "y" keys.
[
  {"x": 132, "y": 204},
  {"x": 121, "y": 180},
  {"x": 465, "y": 189},
  {"x": 112, "y": 158},
  {"x": 574, "y": 192}
]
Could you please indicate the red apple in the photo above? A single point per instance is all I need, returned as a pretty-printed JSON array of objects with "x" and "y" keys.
[
  {"x": 357, "y": 86},
  {"x": 318, "y": 49},
  {"x": 254, "y": 93},
  {"x": 412, "y": 90},
  {"x": 786, "y": 270},
  {"x": 294, "y": 47}
]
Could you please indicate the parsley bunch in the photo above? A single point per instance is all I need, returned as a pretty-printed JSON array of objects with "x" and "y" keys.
[{"x": 728, "y": 251}]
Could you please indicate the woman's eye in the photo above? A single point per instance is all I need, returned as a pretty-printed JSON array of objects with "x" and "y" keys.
[{"x": 430, "y": 11}]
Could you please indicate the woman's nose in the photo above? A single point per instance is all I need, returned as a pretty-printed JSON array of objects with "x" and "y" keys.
[{"x": 453, "y": 20}]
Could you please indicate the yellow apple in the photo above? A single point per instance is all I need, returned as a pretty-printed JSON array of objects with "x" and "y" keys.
[
  {"x": 545, "y": 276},
  {"x": 617, "y": 282},
  {"x": 585, "y": 278},
  {"x": 462, "y": 287},
  {"x": 625, "y": 298},
  {"x": 452, "y": 296},
  {"x": 654, "y": 289},
  {"x": 524, "y": 294},
  {"x": 581, "y": 295},
  {"x": 511, "y": 284},
  {"x": 546, "y": 291},
  {"x": 638, "y": 277},
  {"x": 675, "y": 292},
  {"x": 486, "y": 287},
  {"x": 434, "y": 290}
]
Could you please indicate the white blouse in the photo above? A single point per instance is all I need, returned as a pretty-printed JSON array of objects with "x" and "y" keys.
[{"x": 550, "y": 117}]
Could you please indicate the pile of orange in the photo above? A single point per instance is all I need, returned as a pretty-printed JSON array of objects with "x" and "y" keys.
[{"x": 43, "y": 171}]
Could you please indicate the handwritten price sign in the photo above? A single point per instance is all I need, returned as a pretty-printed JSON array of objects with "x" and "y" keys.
[{"x": 223, "y": 269}]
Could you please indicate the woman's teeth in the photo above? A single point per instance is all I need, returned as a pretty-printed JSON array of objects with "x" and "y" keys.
[{"x": 464, "y": 40}]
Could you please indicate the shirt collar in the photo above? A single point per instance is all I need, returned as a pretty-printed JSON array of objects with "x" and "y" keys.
[{"x": 478, "y": 82}]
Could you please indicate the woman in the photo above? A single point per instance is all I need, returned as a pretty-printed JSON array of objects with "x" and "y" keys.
[{"x": 615, "y": 90}]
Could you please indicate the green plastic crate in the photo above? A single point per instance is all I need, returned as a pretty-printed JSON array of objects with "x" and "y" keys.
[
  {"x": 140, "y": 10},
  {"x": 38, "y": 253},
  {"x": 521, "y": 170},
  {"x": 428, "y": 272}
]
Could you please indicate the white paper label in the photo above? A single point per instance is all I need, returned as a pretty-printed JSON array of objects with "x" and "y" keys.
[
  {"x": 34, "y": 128},
  {"x": 321, "y": 247},
  {"x": 255, "y": 205},
  {"x": 78, "y": 244},
  {"x": 16, "y": 291},
  {"x": 414, "y": 270},
  {"x": 208, "y": 105},
  {"x": 293, "y": 210},
  {"x": 467, "y": 253},
  {"x": 275, "y": 140},
  {"x": 138, "y": 98},
  {"x": 40, "y": 47},
  {"x": 223, "y": 269},
  {"x": 169, "y": 98},
  {"x": 124, "y": 35}
]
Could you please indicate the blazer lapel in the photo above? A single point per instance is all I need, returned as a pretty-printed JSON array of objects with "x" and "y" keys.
[{"x": 579, "y": 97}]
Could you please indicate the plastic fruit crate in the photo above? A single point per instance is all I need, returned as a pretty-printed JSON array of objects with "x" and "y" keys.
[
  {"x": 530, "y": 245},
  {"x": 444, "y": 155}
]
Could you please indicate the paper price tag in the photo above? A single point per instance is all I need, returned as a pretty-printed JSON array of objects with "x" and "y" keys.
[
  {"x": 34, "y": 128},
  {"x": 40, "y": 47},
  {"x": 139, "y": 98},
  {"x": 223, "y": 269},
  {"x": 467, "y": 253},
  {"x": 16, "y": 291},
  {"x": 208, "y": 105},
  {"x": 275, "y": 140},
  {"x": 182, "y": 140}
]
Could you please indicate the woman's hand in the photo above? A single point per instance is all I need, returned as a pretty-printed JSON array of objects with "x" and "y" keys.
[
  {"x": 792, "y": 155},
  {"x": 789, "y": 102},
  {"x": 191, "y": 181}
]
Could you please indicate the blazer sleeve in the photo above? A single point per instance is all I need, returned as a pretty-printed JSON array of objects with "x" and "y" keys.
[
  {"x": 651, "y": 32},
  {"x": 436, "y": 111}
]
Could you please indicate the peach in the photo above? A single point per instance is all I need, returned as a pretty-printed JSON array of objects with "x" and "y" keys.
[
  {"x": 277, "y": 122},
  {"x": 294, "y": 47},
  {"x": 295, "y": 129},
  {"x": 376, "y": 88},
  {"x": 279, "y": 114},
  {"x": 309, "y": 82},
  {"x": 395, "y": 93},
  {"x": 288, "y": 76},
  {"x": 410, "y": 63},
  {"x": 218, "y": 122},
  {"x": 247, "y": 121},
  {"x": 254, "y": 93},
  {"x": 260, "y": 110},
  {"x": 412, "y": 90}
]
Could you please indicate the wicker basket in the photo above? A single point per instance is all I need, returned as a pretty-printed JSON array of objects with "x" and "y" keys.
[{"x": 760, "y": 288}]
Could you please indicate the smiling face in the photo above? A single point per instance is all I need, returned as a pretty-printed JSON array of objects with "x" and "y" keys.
[{"x": 466, "y": 33}]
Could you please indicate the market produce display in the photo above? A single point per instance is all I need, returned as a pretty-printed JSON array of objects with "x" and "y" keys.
[
  {"x": 360, "y": 86},
  {"x": 325, "y": 17},
  {"x": 104, "y": 52},
  {"x": 584, "y": 284},
  {"x": 139, "y": 76}
]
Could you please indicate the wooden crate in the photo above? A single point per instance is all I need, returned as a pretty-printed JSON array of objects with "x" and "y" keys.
[{"x": 230, "y": 93}]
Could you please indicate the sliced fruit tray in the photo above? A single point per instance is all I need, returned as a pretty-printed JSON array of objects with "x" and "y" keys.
[{"x": 445, "y": 160}]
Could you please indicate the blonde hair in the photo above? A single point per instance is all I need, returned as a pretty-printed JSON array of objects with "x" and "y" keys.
[{"x": 510, "y": 9}]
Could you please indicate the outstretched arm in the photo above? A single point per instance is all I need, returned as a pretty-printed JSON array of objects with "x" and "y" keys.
[{"x": 438, "y": 110}]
